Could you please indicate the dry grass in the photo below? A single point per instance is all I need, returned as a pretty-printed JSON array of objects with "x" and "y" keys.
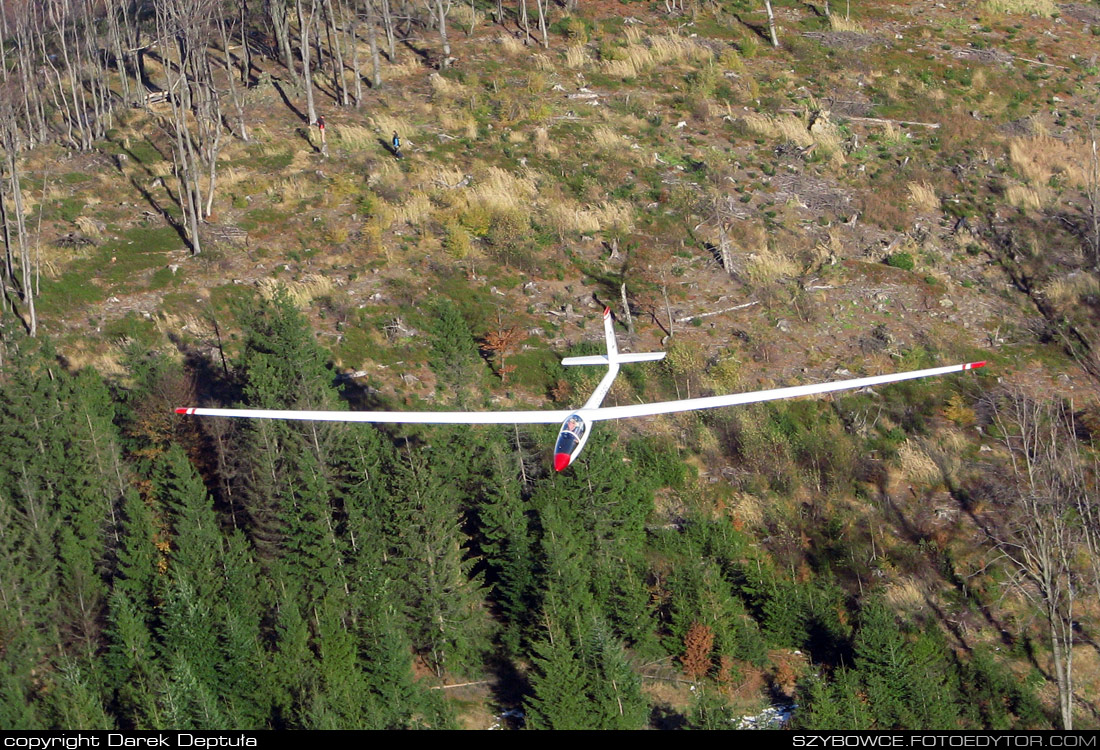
[
  {"x": 413, "y": 211},
  {"x": 543, "y": 144},
  {"x": 660, "y": 50},
  {"x": 839, "y": 23},
  {"x": 1069, "y": 290},
  {"x": 446, "y": 177},
  {"x": 576, "y": 57},
  {"x": 460, "y": 122},
  {"x": 106, "y": 360},
  {"x": 231, "y": 177},
  {"x": 301, "y": 293},
  {"x": 511, "y": 45},
  {"x": 905, "y": 596},
  {"x": 917, "y": 465},
  {"x": 570, "y": 217},
  {"x": 748, "y": 509},
  {"x": 445, "y": 88},
  {"x": 780, "y": 127},
  {"x": 767, "y": 265},
  {"x": 608, "y": 140},
  {"x": 1042, "y": 158},
  {"x": 464, "y": 17},
  {"x": 387, "y": 125},
  {"x": 402, "y": 69},
  {"x": 356, "y": 138},
  {"x": 1022, "y": 7},
  {"x": 290, "y": 191},
  {"x": 923, "y": 197},
  {"x": 88, "y": 227},
  {"x": 500, "y": 190},
  {"x": 160, "y": 169},
  {"x": 1026, "y": 197}
]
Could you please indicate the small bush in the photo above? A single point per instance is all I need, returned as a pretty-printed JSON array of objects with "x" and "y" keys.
[{"x": 904, "y": 261}]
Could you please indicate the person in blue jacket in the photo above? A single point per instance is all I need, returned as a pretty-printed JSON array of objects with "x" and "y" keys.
[{"x": 396, "y": 145}]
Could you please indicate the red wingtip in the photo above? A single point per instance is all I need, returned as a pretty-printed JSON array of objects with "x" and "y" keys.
[
  {"x": 181, "y": 410},
  {"x": 606, "y": 311},
  {"x": 975, "y": 365},
  {"x": 561, "y": 460}
]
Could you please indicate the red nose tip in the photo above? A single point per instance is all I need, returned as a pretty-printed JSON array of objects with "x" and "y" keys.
[{"x": 561, "y": 460}]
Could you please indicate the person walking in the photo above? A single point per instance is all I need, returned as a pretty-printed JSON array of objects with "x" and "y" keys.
[{"x": 396, "y": 145}]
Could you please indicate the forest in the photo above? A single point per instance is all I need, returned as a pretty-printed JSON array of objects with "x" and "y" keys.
[{"x": 178, "y": 231}]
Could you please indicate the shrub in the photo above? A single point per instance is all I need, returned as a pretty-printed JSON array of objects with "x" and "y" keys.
[{"x": 904, "y": 261}]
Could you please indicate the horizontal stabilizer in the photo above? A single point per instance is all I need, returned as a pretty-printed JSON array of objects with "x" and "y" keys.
[
  {"x": 640, "y": 357},
  {"x": 596, "y": 359}
]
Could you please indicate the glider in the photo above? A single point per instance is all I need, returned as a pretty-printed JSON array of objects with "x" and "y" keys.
[{"x": 576, "y": 425}]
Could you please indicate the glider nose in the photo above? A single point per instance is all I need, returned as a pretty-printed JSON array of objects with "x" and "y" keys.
[{"x": 561, "y": 460}]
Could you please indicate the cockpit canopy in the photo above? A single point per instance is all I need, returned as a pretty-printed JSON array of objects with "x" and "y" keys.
[{"x": 572, "y": 433}]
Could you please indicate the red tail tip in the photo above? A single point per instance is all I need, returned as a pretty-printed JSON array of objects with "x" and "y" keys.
[
  {"x": 606, "y": 311},
  {"x": 561, "y": 460}
]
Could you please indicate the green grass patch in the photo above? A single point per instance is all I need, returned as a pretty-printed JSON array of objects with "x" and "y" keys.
[
  {"x": 75, "y": 178},
  {"x": 70, "y": 290},
  {"x": 68, "y": 209},
  {"x": 537, "y": 370},
  {"x": 144, "y": 152},
  {"x": 133, "y": 327}
]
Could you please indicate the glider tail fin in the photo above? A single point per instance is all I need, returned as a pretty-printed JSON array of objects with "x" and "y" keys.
[
  {"x": 612, "y": 356},
  {"x": 609, "y": 335}
]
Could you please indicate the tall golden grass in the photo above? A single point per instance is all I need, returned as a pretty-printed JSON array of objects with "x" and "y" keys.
[
  {"x": 511, "y": 45},
  {"x": 1042, "y": 157},
  {"x": 840, "y": 23},
  {"x": 576, "y": 56},
  {"x": 301, "y": 293},
  {"x": 639, "y": 56},
  {"x": 922, "y": 197},
  {"x": 568, "y": 217},
  {"x": 917, "y": 465},
  {"x": 1022, "y": 7}
]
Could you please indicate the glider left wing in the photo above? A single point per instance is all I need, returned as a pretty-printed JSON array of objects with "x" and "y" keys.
[{"x": 394, "y": 417}]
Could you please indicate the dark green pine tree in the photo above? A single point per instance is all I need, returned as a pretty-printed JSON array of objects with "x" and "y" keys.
[
  {"x": 507, "y": 546},
  {"x": 615, "y": 690},
  {"x": 454, "y": 357},
  {"x": 559, "y": 684},
  {"x": 566, "y": 565},
  {"x": 909, "y": 683},
  {"x": 445, "y": 597},
  {"x": 606, "y": 511},
  {"x": 343, "y": 699},
  {"x": 76, "y": 701},
  {"x": 832, "y": 704},
  {"x": 292, "y": 667},
  {"x": 709, "y": 711},
  {"x": 131, "y": 662},
  {"x": 289, "y": 475},
  {"x": 133, "y": 605},
  {"x": 242, "y": 662}
]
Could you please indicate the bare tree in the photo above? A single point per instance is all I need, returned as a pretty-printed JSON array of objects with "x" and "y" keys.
[
  {"x": 1041, "y": 533},
  {"x": 771, "y": 23},
  {"x": 11, "y": 214},
  {"x": 441, "y": 21},
  {"x": 1092, "y": 196},
  {"x": 305, "y": 26}
]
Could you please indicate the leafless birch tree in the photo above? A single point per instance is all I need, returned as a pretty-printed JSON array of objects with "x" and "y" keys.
[{"x": 1041, "y": 531}]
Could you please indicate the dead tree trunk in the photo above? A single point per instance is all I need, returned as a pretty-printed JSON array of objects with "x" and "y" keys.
[
  {"x": 304, "y": 28},
  {"x": 771, "y": 23}
]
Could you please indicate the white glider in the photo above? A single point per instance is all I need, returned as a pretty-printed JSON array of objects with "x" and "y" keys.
[{"x": 576, "y": 424}]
